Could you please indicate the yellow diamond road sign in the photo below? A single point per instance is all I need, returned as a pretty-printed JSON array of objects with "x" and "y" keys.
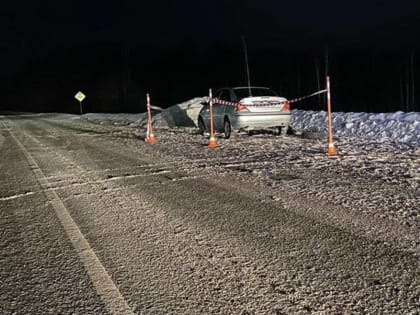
[{"x": 80, "y": 96}]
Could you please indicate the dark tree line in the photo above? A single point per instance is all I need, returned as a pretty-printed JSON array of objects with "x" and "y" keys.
[{"x": 116, "y": 78}]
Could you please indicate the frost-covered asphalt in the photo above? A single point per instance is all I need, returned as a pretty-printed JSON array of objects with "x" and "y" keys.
[{"x": 260, "y": 225}]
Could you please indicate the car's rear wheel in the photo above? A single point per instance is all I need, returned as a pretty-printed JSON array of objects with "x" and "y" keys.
[
  {"x": 277, "y": 131},
  {"x": 201, "y": 126},
  {"x": 227, "y": 128}
]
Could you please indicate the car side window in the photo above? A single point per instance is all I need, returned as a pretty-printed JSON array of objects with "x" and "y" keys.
[
  {"x": 218, "y": 93},
  {"x": 234, "y": 97}
]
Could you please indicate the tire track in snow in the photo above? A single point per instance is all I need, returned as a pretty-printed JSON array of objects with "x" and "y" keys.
[{"x": 100, "y": 278}]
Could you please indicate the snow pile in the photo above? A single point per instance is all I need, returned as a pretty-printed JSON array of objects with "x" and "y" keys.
[
  {"x": 184, "y": 114},
  {"x": 181, "y": 115},
  {"x": 399, "y": 126}
]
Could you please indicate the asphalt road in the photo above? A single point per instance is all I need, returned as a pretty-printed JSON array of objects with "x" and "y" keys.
[{"x": 95, "y": 221}]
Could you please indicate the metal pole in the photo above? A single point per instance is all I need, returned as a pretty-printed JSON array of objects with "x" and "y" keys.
[{"x": 81, "y": 110}]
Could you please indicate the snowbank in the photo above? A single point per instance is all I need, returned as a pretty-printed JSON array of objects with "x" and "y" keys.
[
  {"x": 399, "y": 126},
  {"x": 180, "y": 115}
]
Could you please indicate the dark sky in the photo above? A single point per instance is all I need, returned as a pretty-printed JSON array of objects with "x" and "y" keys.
[
  {"x": 41, "y": 27},
  {"x": 36, "y": 31}
]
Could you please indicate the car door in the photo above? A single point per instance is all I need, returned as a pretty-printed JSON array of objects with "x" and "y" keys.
[
  {"x": 219, "y": 109},
  {"x": 205, "y": 115}
]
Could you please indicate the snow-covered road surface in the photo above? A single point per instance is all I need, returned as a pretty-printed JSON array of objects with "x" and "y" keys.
[{"x": 260, "y": 225}]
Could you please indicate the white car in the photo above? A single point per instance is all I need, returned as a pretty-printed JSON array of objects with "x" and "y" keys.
[{"x": 245, "y": 109}]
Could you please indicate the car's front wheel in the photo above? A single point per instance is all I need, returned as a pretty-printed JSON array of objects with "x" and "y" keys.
[
  {"x": 201, "y": 126},
  {"x": 227, "y": 128}
]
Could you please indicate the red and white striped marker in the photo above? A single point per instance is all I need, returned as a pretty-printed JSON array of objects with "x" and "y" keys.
[
  {"x": 150, "y": 137},
  {"x": 332, "y": 152},
  {"x": 213, "y": 141}
]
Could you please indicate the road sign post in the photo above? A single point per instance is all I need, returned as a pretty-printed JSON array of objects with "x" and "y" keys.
[{"x": 80, "y": 97}]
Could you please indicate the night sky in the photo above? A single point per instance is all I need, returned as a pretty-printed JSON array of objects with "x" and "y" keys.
[{"x": 175, "y": 50}]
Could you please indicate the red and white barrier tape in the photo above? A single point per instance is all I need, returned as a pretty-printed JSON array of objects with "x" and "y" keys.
[
  {"x": 157, "y": 108},
  {"x": 227, "y": 103},
  {"x": 307, "y": 96}
]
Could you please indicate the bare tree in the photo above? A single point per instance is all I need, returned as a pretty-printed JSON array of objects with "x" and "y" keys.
[
  {"x": 318, "y": 80},
  {"x": 246, "y": 64},
  {"x": 326, "y": 60},
  {"x": 412, "y": 80},
  {"x": 407, "y": 85}
]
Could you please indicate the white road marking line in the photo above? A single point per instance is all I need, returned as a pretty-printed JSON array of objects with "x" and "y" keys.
[
  {"x": 17, "y": 196},
  {"x": 103, "y": 283}
]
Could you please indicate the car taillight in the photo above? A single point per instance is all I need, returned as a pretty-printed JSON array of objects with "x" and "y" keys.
[
  {"x": 286, "y": 106},
  {"x": 241, "y": 108}
]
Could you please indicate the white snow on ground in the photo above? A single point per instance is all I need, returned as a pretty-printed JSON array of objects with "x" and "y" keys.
[{"x": 397, "y": 127}]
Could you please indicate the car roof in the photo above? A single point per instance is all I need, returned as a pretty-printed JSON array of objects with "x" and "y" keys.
[
  {"x": 250, "y": 87},
  {"x": 244, "y": 87}
]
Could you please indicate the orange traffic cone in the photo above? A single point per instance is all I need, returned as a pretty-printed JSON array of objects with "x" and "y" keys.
[
  {"x": 150, "y": 137},
  {"x": 213, "y": 141},
  {"x": 332, "y": 152}
]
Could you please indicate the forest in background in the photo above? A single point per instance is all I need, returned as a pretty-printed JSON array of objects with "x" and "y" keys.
[{"x": 116, "y": 78}]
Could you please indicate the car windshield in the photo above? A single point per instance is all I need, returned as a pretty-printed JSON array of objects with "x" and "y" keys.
[{"x": 244, "y": 92}]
